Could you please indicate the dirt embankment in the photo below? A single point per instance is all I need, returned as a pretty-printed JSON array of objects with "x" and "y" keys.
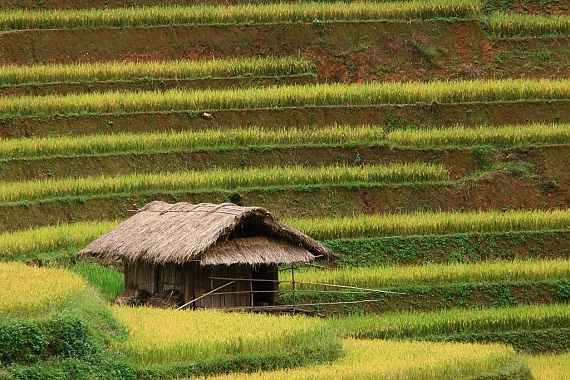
[
  {"x": 387, "y": 116},
  {"x": 156, "y": 84},
  {"x": 342, "y": 51}
]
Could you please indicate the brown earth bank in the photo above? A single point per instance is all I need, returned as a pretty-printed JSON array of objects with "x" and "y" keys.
[
  {"x": 542, "y": 7},
  {"x": 342, "y": 51},
  {"x": 530, "y": 58},
  {"x": 548, "y": 163},
  {"x": 155, "y": 84},
  {"x": 459, "y": 161},
  {"x": 388, "y": 116},
  {"x": 500, "y": 191}
]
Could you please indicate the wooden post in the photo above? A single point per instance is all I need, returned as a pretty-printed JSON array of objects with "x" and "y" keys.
[{"x": 293, "y": 285}]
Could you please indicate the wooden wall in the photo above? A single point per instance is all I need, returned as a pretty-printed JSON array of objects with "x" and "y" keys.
[{"x": 194, "y": 281}]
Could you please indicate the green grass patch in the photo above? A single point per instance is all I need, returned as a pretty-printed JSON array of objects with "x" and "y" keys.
[
  {"x": 155, "y": 70},
  {"x": 238, "y": 14},
  {"x": 268, "y": 138},
  {"x": 219, "y": 179},
  {"x": 442, "y": 249},
  {"x": 290, "y": 96},
  {"x": 108, "y": 280},
  {"x": 517, "y": 25}
]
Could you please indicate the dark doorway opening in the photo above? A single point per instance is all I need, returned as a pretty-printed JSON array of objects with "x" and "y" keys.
[{"x": 265, "y": 293}]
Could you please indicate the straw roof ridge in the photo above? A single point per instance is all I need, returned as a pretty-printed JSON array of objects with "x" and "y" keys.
[{"x": 162, "y": 233}]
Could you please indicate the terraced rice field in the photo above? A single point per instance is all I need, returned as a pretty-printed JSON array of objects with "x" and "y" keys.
[{"x": 425, "y": 142}]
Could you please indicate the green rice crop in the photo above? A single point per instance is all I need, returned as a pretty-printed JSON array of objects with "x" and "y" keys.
[
  {"x": 426, "y": 223},
  {"x": 179, "y": 69},
  {"x": 258, "y": 137},
  {"x": 220, "y": 179},
  {"x": 435, "y": 274},
  {"x": 382, "y": 359},
  {"x": 49, "y": 239},
  {"x": 77, "y": 235},
  {"x": 108, "y": 280},
  {"x": 235, "y": 14},
  {"x": 458, "y": 321},
  {"x": 549, "y": 367},
  {"x": 169, "y": 336},
  {"x": 290, "y": 96},
  {"x": 511, "y": 25}
]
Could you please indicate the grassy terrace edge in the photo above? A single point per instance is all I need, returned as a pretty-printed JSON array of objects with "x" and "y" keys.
[
  {"x": 290, "y": 96},
  {"x": 511, "y": 136},
  {"x": 234, "y": 14}
]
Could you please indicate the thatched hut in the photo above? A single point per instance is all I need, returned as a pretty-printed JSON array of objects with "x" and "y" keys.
[{"x": 217, "y": 256}]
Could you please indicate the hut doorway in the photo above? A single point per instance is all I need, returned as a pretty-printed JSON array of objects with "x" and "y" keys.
[{"x": 265, "y": 285}]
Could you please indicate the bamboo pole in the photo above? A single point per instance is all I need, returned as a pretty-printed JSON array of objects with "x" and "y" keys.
[
  {"x": 311, "y": 283},
  {"x": 205, "y": 295},
  {"x": 301, "y": 304}
]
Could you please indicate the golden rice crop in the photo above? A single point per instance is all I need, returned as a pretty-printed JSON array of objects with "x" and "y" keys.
[
  {"x": 510, "y": 24},
  {"x": 367, "y": 359},
  {"x": 508, "y": 136},
  {"x": 425, "y": 223},
  {"x": 248, "y": 13},
  {"x": 26, "y": 289},
  {"x": 210, "y": 139},
  {"x": 329, "y": 94},
  {"x": 220, "y": 179},
  {"x": 160, "y": 336},
  {"x": 177, "y": 69},
  {"x": 549, "y": 367},
  {"x": 334, "y": 135},
  {"x": 431, "y": 274},
  {"x": 405, "y": 325},
  {"x": 53, "y": 238}
]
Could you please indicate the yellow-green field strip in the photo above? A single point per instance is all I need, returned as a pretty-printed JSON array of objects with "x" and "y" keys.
[
  {"x": 27, "y": 290},
  {"x": 291, "y": 96},
  {"x": 457, "y": 321},
  {"x": 221, "y": 179},
  {"x": 262, "y": 138},
  {"x": 77, "y": 235},
  {"x": 176, "y": 69},
  {"x": 238, "y": 14},
  {"x": 214, "y": 333},
  {"x": 369, "y": 359},
  {"x": 434, "y": 274},
  {"x": 432, "y": 223},
  {"x": 549, "y": 367},
  {"x": 511, "y": 25}
]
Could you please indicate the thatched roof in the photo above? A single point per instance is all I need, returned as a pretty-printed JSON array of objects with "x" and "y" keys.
[{"x": 208, "y": 233}]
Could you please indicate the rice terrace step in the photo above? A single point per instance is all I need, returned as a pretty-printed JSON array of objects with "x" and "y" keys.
[{"x": 425, "y": 144}]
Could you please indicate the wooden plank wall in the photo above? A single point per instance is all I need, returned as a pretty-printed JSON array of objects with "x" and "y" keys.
[{"x": 141, "y": 276}]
